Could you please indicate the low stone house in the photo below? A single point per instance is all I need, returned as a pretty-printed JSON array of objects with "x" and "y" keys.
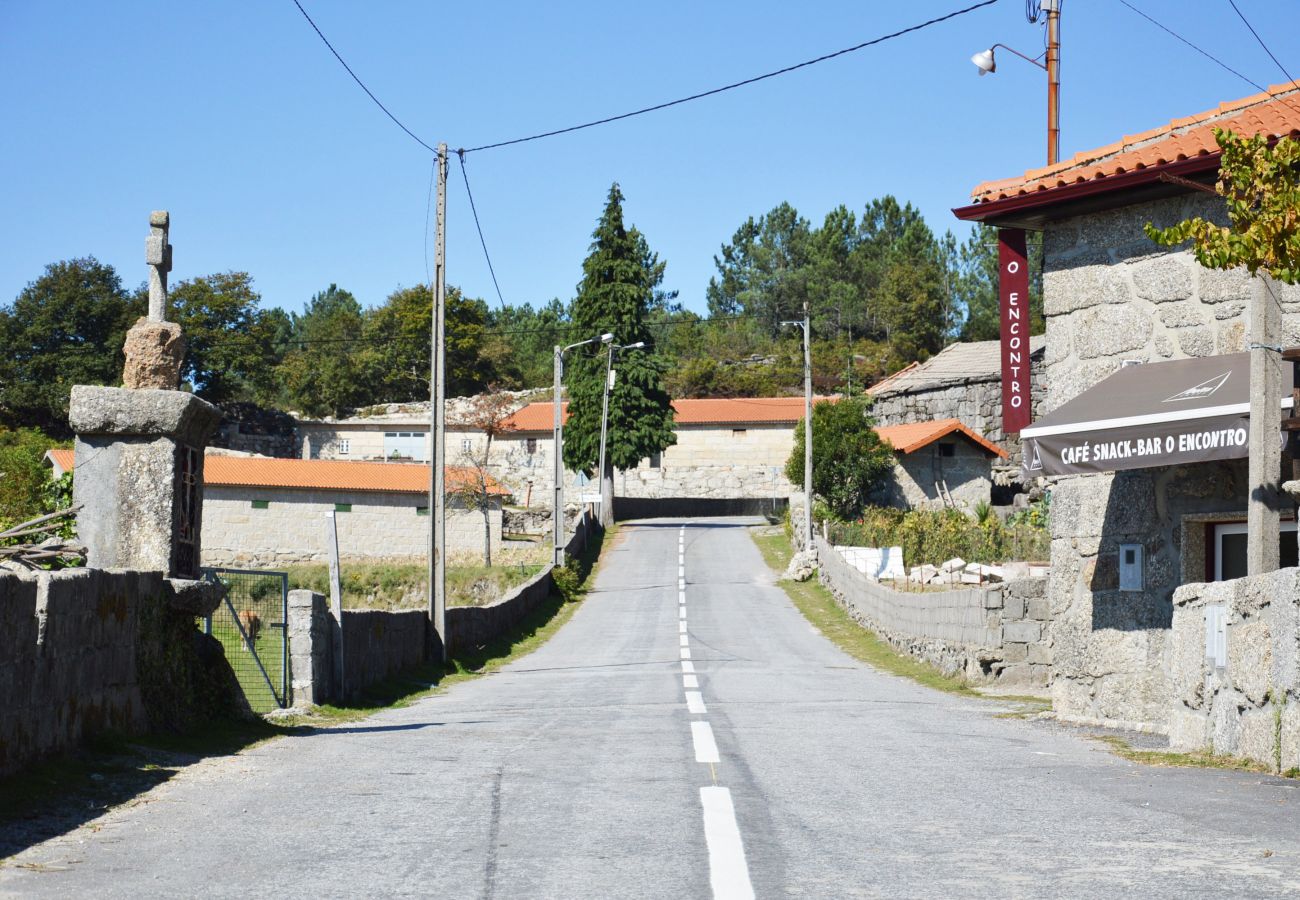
[
  {"x": 939, "y": 464},
  {"x": 1127, "y": 535},
  {"x": 962, "y": 381},
  {"x": 259, "y": 511}
]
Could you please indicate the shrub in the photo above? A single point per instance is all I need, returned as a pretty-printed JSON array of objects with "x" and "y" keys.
[{"x": 933, "y": 536}]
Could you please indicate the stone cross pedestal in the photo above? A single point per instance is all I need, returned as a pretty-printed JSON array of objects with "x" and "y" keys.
[
  {"x": 139, "y": 449},
  {"x": 155, "y": 347}
]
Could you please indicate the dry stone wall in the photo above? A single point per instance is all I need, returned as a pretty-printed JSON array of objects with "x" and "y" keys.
[{"x": 84, "y": 651}]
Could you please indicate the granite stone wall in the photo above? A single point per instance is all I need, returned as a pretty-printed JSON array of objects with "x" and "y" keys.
[
  {"x": 291, "y": 529},
  {"x": 977, "y": 403},
  {"x": 967, "y": 475},
  {"x": 1250, "y": 705},
  {"x": 1111, "y": 295},
  {"x": 995, "y": 632},
  {"x": 84, "y": 651}
]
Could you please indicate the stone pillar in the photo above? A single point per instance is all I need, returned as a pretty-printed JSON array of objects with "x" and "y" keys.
[
  {"x": 139, "y": 477},
  {"x": 310, "y": 648}
]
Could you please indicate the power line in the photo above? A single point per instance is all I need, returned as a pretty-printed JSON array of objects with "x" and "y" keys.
[
  {"x": 1246, "y": 21},
  {"x": 1204, "y": 53},
  {"x": 732, "y": 86},
  {"x": 460, "y": 155},
  {"x": 428, "y": 207},
  {"x": 361, "y": 83}
]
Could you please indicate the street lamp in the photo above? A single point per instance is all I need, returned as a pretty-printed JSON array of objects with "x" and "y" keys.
[
  {"x": 985, "y": 62},
  {"x": 604, "y": 422},
  {"x": 557, "y": 514},
  {"x": 807, "y": 429}
]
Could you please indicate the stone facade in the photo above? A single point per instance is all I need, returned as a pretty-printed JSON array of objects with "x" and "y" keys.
[
  {"x": 291, "y": 529},
  {"x": 966, "y": 474},
  {"x": 995, "y": 632},
  {"x": 964, "y": 381},
  {"x": 1111, "y": 295},
  {"x": 1247, "y": 702}
]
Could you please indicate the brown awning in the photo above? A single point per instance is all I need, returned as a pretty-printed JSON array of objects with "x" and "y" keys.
[{"x": 1153, "y": 414}]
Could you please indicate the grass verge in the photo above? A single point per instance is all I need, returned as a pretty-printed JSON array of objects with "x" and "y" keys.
[
  {"x": 832, "y": 620},
  {"x": 59, "y": 795},
  {"x": 1196, "y": 759}
]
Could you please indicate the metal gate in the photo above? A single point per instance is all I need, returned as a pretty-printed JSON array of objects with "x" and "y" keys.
[{"x": 252, "y": 624}]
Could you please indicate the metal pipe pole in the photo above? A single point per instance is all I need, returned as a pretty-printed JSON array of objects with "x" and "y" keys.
[
  {"x": 438, "y": 422},
  {"x": 807, "y": 432},
  {"x": 557, "y": 502},
  {"x": 1053, "y": 8}
]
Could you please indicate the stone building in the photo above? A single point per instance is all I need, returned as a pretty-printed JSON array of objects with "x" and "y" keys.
[
  {"x": 270, "y": 512},
  {"x": 962, "y": 381},
  {"x": 939, "y": 464},
  {"x": 1113, "y": 298}
]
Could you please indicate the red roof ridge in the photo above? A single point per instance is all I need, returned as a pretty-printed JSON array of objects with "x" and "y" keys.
[{"x": 1143, "y": 148}]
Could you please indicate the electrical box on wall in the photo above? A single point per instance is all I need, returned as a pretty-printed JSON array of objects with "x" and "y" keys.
[{"x": 1130, "y": 567}]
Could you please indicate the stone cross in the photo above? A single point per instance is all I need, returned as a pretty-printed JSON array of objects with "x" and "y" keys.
[{"x": 158, "y": 254}]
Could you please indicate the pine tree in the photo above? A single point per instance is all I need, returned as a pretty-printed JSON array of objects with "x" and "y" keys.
[{"x": 619, "y": 278}]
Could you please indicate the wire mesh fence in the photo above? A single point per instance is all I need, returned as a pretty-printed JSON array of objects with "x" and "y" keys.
[{"x": 252, "y": 625}]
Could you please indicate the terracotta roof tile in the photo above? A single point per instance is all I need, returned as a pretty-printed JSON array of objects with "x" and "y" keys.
[
  {"x": 316, "y": 474},
  {"x": 738, "y": 411},
  {"x": 915, "y": 435},
  {"x": 1275, "y": 113}
]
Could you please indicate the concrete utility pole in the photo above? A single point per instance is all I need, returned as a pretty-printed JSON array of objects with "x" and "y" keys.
[
  {"x": 1053, "y": 10},
  {"x": 807, "y": 433},
  {"x": 1265, "y": 466},
  {"x": 438, "y": 421}
]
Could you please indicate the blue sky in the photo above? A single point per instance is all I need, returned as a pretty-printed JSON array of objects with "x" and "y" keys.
[{"x": 235, "y": 117}]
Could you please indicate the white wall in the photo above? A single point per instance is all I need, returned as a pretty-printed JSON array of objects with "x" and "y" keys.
[{"x": 292, "y": 527}]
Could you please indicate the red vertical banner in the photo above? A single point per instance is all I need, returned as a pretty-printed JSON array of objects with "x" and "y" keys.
[{"x": 1013, "y": 296}]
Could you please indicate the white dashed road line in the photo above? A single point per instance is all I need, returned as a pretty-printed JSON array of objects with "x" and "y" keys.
[
  {"x": 706, "y": 749},
  {"x": 690, "y": 681},
  {"x": 728, "y": 873},
  {"x": 688, "y": 668},
  {"x": 695, "y": 703}
]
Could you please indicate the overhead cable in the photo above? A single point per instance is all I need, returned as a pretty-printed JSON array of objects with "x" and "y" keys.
[
  {"x": 1246, "y": 21},
  {"x": 733, "y": 85},
  {"x": 460, "y": 155}
]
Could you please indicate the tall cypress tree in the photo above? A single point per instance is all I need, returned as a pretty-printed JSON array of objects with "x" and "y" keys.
[{"x": 617, "y": 290}]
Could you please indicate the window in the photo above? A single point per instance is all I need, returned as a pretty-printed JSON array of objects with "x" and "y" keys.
[
  {"x": 343, "y": 507},
  {"x": 422, "y": 510},
  {"x": 406, "y": 445},
  {"x": 947, "y": 449},
  {"x": 738, "y": 432},
  {"x": 655, "y": 460},
  {"x": 531, "y": 446},
  {"x": 345, "y": 447},
  {"x": 466, "y": 445},
  {"x": 261, "y": 504},
  {"x": 1229, "y": 549}
]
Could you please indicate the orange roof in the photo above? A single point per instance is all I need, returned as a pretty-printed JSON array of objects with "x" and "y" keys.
[
  {"x": 317, "y": 474},
  {"x": 737, "y": 411},
  {"x": 1275, "y": 114},
  {"x": 915, "y": 435}
]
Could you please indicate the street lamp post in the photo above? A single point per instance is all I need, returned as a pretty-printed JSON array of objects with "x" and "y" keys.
[
  {"x": 986, "y": 63},
  {"x": 557, "y": 513},
  {"x": 807, "y": 429},
  {"x": 604, "y": 425}
]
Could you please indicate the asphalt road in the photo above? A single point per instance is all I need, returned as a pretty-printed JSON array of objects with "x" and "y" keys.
[{"x": 601, "y": 766}]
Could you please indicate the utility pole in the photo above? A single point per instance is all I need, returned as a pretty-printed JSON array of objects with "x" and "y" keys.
[
  {"x": 1053, "y": 10},
  {"x": 807, "y": 433},
  {"x": 604, "y": 431},
  {"x": 557, "y": 500},
  {"x": 1264, "y": 469},
  {"x": 438, "y": 421}
]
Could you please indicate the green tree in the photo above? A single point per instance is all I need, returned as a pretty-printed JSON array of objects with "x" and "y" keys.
[
  {"x": 25, "y": 485},
  {"x": 849, "y": 458},
  {"x": 231, "y": 346},
  {"x": 763, "y": 272},
  {"x": 321, "y": 372},
  {"x": 65, "y": 328},
  {"x": 1261, "y": 185},
  {"x": 615, "y": 295}
]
